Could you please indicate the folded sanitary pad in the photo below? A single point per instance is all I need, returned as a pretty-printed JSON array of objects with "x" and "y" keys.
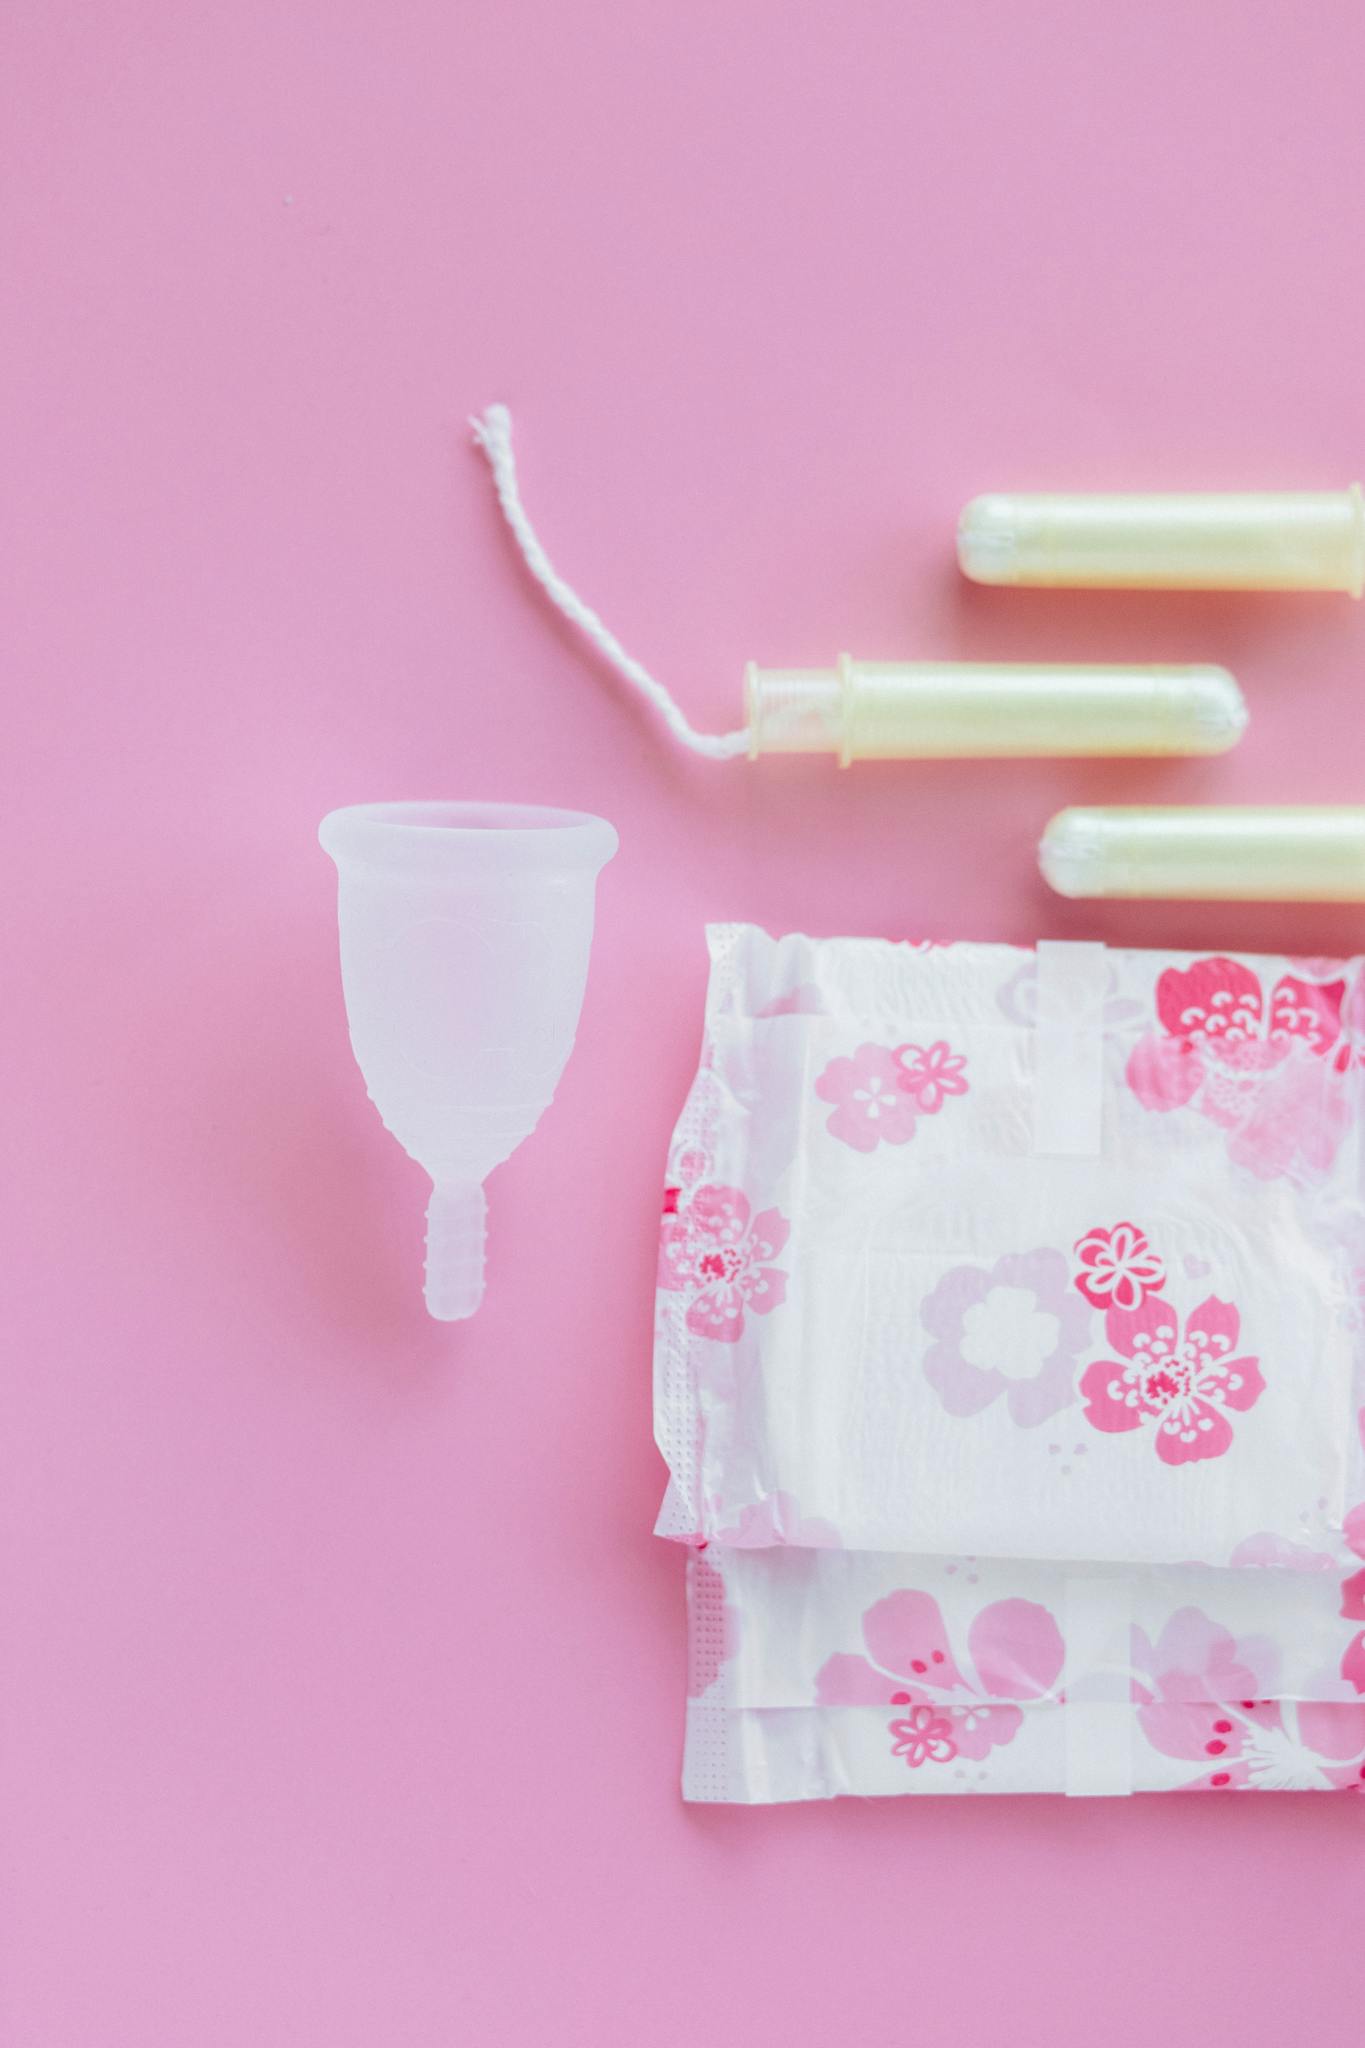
[
  {"x": 817, "y": 1672},
  {"x": 1033, "y": 1271}
]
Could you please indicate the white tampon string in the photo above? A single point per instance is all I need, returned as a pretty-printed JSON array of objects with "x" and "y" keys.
[
  {"x": 493, "y": 434},
  {"x": 904, "y": 711}
]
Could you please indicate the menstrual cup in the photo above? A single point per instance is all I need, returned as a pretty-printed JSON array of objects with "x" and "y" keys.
[{"x": 465, "y": 931}]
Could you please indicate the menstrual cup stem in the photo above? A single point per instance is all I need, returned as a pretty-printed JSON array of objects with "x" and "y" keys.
[{"x": 457, "y": 1217}]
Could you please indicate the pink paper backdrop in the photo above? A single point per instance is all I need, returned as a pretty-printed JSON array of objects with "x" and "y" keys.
[{"x": 340, "y": 1679}]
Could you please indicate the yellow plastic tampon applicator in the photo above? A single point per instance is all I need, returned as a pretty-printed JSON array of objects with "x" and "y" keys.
[
  {"x": 870, "y": 710},
  {"x": 1235, "y": 540},
  {"x": 920, "y": 710},
  {"x": 1307, "y": 853}
]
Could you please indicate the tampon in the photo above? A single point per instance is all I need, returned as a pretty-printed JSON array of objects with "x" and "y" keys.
[
  {"x": 1239, "y": 540},
  {"x": 1307, "y": 853},
  {"x": 918, "y": 710}
]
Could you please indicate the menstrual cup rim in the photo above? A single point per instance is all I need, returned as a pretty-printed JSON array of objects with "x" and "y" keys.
[{"x": 377, "y": 829}]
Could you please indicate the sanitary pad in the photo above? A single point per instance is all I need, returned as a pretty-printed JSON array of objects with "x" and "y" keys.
[
  {"x": 1030, "y": 1270},
  {"x": 819, "y": 1672}
]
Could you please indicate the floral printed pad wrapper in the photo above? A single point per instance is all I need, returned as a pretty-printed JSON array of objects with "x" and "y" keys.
[
  {"x": 1008, "y": 1370},
  {"x": 1046, "y": 1254},
  {"x": 814, "y": 1673}
]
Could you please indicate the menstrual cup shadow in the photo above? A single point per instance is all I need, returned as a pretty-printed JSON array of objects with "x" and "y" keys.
[
  {"x": 326, "y": 1190},
  {"x": 304, "y": 1214}
]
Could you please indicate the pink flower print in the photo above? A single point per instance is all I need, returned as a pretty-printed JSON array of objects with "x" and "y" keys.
[
  {"x": 1288, "y": 1746},
  {"x": 806, "y": 1000},
  {"x": 1018, "y": 999},
  {"x": 923, "y": 1737},
  {"x": 1350, "y": 1050},
  {"x": 1353, "y": 1662},
  {"x": 1015, "y": 1649},
  {"x": 870, "y": 1103},
  {"x": 778, "y": 1521},
  {"x": 1266, "y": 1551},
  {"x": 1353, "y": 1609},
  {"x": 929, "y": 1074},
  {"x": 1296, "y": 1122},
  {"x": 1218, "y": 1040},
  {"x": 1118, "y": 1267},
  {"x": 1353, "y": 1589},
  {"x": 1217, "y": 1008},
  {"x": 1322, "y": 966},
  {"x": 687, "y": 1167},
  {"x": 1014, "y": 1330},
  {"x": 878, "y": 1092},
  {"x": 710, "y": 1250},
  {"x": 1195, "y": 1660},
  {"x": 1182, "y": 1384},
  {"x": 1201, "y": 1698},
  {"x": 1164, "y": 1073},
  {"x": 979, "y": 1727}
]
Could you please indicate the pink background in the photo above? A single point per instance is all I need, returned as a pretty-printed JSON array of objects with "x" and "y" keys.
[{"x": 341, "y": 1683}]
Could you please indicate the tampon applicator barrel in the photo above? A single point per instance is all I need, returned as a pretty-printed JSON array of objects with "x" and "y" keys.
[
  {"x": 1236, "y": 540},
  {"x": 1310, "y": 853},
  {"x": 465, "y": 931},
  {"x": 881, "y": 710}
]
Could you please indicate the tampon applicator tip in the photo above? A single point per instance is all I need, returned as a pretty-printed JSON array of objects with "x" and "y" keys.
[
  {"x": 1071, "y": 855},
  {"x": 988, "y": 540}
]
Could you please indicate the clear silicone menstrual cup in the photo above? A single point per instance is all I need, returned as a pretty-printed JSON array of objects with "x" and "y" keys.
[{"x": 465, "y": 931}]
